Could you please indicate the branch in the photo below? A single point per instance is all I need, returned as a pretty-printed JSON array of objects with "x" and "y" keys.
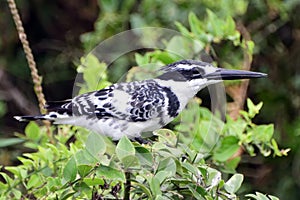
[
  {"x": 127, "y": 186},
  {"x": 12, "y": 93},
  {"x": 239, "y": 92}
]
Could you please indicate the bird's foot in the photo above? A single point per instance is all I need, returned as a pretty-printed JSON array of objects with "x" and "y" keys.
[{"x": 142, "y": 140}]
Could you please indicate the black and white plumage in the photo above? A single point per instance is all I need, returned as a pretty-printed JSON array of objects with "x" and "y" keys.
[{"x": 139, "y": 106}]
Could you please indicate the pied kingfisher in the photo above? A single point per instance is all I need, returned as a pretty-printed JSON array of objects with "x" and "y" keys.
[{"x": 139, "y": 106}]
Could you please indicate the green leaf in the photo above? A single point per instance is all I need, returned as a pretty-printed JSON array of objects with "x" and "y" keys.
[
  {"x": 124, "y": 148},
  {"x": 95, "y": 144},
  {"x": 145, "y": 189},
  {"x": 166, "y": 136},
  {"x": 130, "y": 161},
  {"x": 229, "y": 146},
  {"x": 235, "y": 127},
  {"x": 17, "y": 193},
  {"x": 21, "y": 173},
  {"x": 81, "y": 186},
  {"x": 163, "y": 175},
  {"x": 141, "y": 60},
  {"x": 230, "y": 26},
  {"x": 161, "y": 197},
  {"x": 66, "y": 194},
  {"x": 168, "y": 165},
  {"x": 260, "y": 196},
  {"x": 214, "y": 25},
  {"x": 263, "y": 133},
  {"x": 155, "y": 186},
  {"x": 84, "y": 170},
  {"x": 195, "y": 24},
  {"x": 5, "y": 142},
  {"x": 214, "y": 177},
  {"x": 7, "y": 179},
  {"x": 189, "y": 167},
  {"x": 110, "y": 173},
  {"x": 34, "y": 181},
  {"x": 32, "y": 131},
  {"x": 83, "y": 157},
  {"x": 183, "y": 30},
  {"x": 93, "y": 181},
  {"x": 165, "y": 57},
  {"x": 94, "y": 73},
  {"x": 179, "y": 45},
  {"x": 273, "y": 197},
  {"x": 198, "y": 192},
  {"x": 144, "y": 156},
  {"x": 234, "y": 183},
  {"x": 253, "y": 109},
  {"x": 53, "y": 183},
  {"x": 70, "y": 170}
]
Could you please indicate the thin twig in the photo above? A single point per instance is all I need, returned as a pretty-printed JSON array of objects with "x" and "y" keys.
[
  {"x": 10, "y": 92},
  {"x": 239, "y": 92},
  {"x": 37, "y": 81},
  {"x": 127, "y": 186}
]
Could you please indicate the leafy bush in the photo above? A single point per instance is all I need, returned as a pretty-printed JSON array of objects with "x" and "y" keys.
[{"x": 196, "y": 159}]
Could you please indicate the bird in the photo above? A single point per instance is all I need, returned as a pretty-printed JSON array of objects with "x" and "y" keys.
[{"x": 131, "y": 108}]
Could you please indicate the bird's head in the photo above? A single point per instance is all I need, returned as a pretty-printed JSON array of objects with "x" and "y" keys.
[{"x": 201, "y": 74}]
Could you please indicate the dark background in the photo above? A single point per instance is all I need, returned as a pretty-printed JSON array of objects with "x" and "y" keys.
[{"x": 60, "y": 32}]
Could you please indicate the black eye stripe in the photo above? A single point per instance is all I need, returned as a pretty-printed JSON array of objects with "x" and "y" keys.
[
  {"x": 196, "y": 71},
  {"x": 192, "y": 73}
]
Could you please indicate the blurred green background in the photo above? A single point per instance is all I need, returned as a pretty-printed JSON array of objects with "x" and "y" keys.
[{"x": 60, "y": 32}]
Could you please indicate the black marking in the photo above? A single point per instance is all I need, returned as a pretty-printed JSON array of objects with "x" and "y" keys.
[
  {"x": 100, "y": 110},
  {"x": 61, "y": 112},
  {"x": 173, "y": 103},
  {"x": 175, "y": 73},
  {"x": 33, "y": 118},
  {"x": 104, "y": 92},
  {"x": 182, "y": 75},
  {"x": 60, "y": 107},
  {"x": 107, "y": 105},
  {"x": 146, "y": 98},
  {"x": 173, "y": 66},
  {"x": 53, "y": 105},
  {"x": 148, "y": 107},
  {"x": 175, "y": 76},
  {"x": 103, "y": 115},
  {"x": 53, "y": 116}
]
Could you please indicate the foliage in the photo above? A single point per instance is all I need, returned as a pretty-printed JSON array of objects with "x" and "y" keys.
[
  {"x": 172, "y": 167},
  {"x": 194, "y": 159},
  {"x": 260, "y": 196},
  {"x": 169, "y": 168}
]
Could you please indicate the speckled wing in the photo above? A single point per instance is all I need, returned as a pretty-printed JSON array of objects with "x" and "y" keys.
[
  {"x": 144, "y": 100},
  {"x": 138, "y": 101},
  {"x": 133, "y": 102}
]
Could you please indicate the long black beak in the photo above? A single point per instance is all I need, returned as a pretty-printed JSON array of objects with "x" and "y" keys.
[{"x": 228, "y": 74}]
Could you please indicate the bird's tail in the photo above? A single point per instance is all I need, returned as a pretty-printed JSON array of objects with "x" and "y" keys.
[
  {"x": 57, "y": 110},
  {"x": 31, "y": 118}
]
